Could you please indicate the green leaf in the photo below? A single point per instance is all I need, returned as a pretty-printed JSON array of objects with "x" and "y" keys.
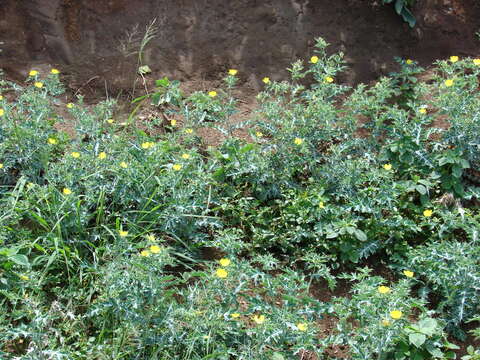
[
  {"x": 162, "y": 82},
  {"x": 277, "y": 356},
  {"x": 20, "y": 259},
  {"x": 360, "y": 235},
  {"x": 417, "y": 339}
]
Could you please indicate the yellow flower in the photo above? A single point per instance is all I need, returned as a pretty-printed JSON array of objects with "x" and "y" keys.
[
  {"x": 145, "y": 253},
  {"x": 75, "y": 154},
  {"x": 1, "y": 97},
  {"x": 321, "y": 205},
  {"x": 67, "y": 191},
  {"x": 123, "y": 233},
  {"x": 409, "y": 61},
  {"x": 110, "y": 121},
  {"x": 259, "y": 134},
  {"x": 70, "y": 105},
  {"x": 176, "y": 167},
  {"x": 151, "y": 237},
  {"x": 55, "y": 71},
  {"x": 258, "y": 319},
  {"x": 298, "y": 141},
  {"x": 33, "y": 73},
  {"x": 2, "y": 112},
  {"x": 383, "y": 289},
  {"x": 387, "y": 167},
  {"x": 266, "y": 80},
  {"x": 221, "y": 273},
  {"x": 123, "y": 164},
  {"x": 155, "y": 249},
  {"x": 448, "y": 82},
  {"x": 185, "y": 156},
  {"x": 385, "y": 322},
  {"x": 24, "y": 277},
  {"x": 427, "y": 213},
  {"x": 232, "y": 72},
  {"x": 1, "y": 166},
  {"x": 396, "y": 314},
  {"x": 189, "y": 131},
  {"x": 422, "y": 110},
  {"x": 314, "y": 59},
  {"x": 224, "y": 262},
  {"x": 146, "y": 145},
  {"x": 212, "y": 94},
  {"x": 328, "y": 79},
  {"x": 408, "y": 273},
  {"x": 453, "y": 59},
  {"x": 173, "y": 122},
  {"x": 52, "y": 141},
  {"x": 38, "y": 84},
  {"x": 234, "y": 315},
  {"x": 302, "y": 327},
  {"x": 102, "y": 155},
  {"x": 476, "y": 62}
]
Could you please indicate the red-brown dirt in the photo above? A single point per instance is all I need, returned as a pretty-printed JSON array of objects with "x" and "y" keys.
[{"x": 198, "y": 40}]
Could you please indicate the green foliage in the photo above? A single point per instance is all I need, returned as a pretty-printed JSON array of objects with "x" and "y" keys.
[
  {"x": 450, "y": 269},
  {"x": 105, "y": 231},
  {"x": 402, "y": 9}
]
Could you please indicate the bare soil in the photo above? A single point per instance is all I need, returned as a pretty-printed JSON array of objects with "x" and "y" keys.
[{"x": 197, "y": 40}]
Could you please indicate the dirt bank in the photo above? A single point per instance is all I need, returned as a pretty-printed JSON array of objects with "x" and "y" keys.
[{"x": 199, "y": 39}]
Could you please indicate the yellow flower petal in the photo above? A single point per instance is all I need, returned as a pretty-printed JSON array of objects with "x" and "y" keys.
[
  {"x": 221, "y": 273},
  {"x": 383, "y": 289},
  {"x": 55, "y": 71},
  {"x": 212, "y": 94},
  {"x": 396, "y": 314},
  {"x": 409, "y": 61},
  {"x": 155, "y": 249},
  {"x": 66, "y": 191},
  {"x": 177, "y": 167},
  {"x": 2, "y": 112},
  {"x": 387, "y": 167},
  {"x": 173, "y": 122},
  {"x": 33, "y": 73},
  {"x": 70, "y": 105},
  {"x": 258, "y": 319},
  {"x": 224, "y": 262},
  {"x": 454, "y": 59},
  {"x": 186, "y": 156},
  {"x": 75, "y": 154},
  {"x": 189, "y": 131},
  {"x": 145, "y": 253},
  {"x": 52, "y": 141},
  {"x": 123, "y": 164},
  {"x": 232, "y": 72},
  {"x": 234, "y": 315},
  {"x": 427, "y": 213},
  {"x": 302, "y": 327},
  {"x": 449, "y": 82},
  {"x": 408, "y": 273},
  {"x": 110, "y": 121},
  {"x": 102, "y": 155},
  {"x": 1, "y": 166},
  {"x": 298, "y": 141},
  {"x": 38, "y": 84},
  {"x": 266, "y": 80},
  {"x": 123, "y": 233},
  {"x": 314, "y": 59},
  {"x": 328, "y": 79},
  {"x": 476, "y": 62},
  {"x": 422, "y": 110}
]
